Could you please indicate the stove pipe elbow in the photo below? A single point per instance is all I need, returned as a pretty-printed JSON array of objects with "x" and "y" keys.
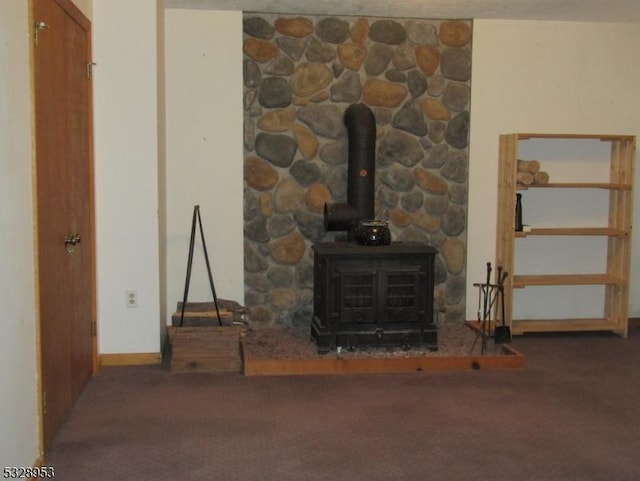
[{"x": 361, "y": 131}]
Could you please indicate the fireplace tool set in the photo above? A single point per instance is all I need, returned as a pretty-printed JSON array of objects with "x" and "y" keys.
[{"x": 490, "y": 298}]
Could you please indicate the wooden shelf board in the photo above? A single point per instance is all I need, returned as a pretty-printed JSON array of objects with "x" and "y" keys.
[
  {"x": 603, "y": 137},
  {"x": 576, "y": 185},
  {"x": 566, "y": 280},
  {"x": 567, "y": 325},
  {"x": 574, "y": 231}
]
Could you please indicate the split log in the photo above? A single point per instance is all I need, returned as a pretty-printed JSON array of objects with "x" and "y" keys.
[
  {"x": 541, "y": 178},
  {"x": 205, "y": 314},
  {"x": 524, "y": 178},
  {"x": 532, "y": 166}
]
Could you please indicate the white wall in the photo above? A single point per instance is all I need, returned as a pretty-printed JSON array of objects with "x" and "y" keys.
[
  {"x": 162, "y": 165},
  {"x": 549, "y": 77},
  {"x": 204, "y": 152},
  {"x": 85, "y": 6},
  {"x": 19, "y": 438},
  {"x": 126, "y": 173}
]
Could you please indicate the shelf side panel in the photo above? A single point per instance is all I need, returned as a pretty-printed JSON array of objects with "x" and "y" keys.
[
  {"x": 621, "y": 218},
  {"x": 505, "y": 239}
]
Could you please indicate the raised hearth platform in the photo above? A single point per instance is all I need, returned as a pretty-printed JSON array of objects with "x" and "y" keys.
[{"x": 269, "y": 352}]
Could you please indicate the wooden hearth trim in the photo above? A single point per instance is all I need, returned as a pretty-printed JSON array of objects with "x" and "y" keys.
[{"x": 509, "y": 359}]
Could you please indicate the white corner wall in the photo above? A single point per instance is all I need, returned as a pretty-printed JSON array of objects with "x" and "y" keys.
[
  {"x": 85, "y": 6},
  {"x": 126, "y": 173},
  {"x": 19, "y": 432},
  {"x": 549, "y": 77},
  {"x": 204, "y": 159}
]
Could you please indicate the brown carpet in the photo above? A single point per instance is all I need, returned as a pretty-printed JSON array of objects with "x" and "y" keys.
[{"x": 571, "y": 414}]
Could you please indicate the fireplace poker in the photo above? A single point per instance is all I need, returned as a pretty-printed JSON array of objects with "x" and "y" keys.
[
  {"x": 484, "y": 303},
  {"x": 479, "y": 286},
  {"x": 485, "y": 309},
  {"x": 502, "y": 333},
  {"x": 498, "y": 277}
]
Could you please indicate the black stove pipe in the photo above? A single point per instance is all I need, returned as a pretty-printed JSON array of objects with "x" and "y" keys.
[{"x": 361, "y": 131}]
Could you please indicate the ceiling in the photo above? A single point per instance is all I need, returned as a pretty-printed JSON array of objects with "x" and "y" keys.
[{"x": 627, "y": 11}]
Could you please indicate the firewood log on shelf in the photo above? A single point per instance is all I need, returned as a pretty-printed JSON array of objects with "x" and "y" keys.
[
  {"x": 541, "y": 178},
  {"x": 524, "y": 178},
  {"x": 532, "y": 166}
]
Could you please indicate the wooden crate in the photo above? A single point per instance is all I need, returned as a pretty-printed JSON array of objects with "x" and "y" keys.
[{"x": 205, "y": 348}]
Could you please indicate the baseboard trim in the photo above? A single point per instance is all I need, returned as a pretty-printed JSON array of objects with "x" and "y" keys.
[
  {"x": 634, "y": 322},
  {"x": 130, "y": 359}
]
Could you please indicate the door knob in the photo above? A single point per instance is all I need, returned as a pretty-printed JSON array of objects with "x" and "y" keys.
[
  {"x": 70, "y": 242},
  {"x": 36, "y": 29}
]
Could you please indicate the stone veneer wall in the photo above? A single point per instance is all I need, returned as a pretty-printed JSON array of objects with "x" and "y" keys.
[{"x": 300, "y": 74}]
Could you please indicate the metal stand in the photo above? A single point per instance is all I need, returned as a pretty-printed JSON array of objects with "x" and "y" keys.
[{"x": 196, "y": 217}]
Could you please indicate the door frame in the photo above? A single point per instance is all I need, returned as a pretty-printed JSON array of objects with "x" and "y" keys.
[{"x": 76, "y": 14}]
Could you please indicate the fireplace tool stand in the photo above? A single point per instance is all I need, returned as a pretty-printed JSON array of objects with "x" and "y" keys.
[
  {"x": 198, "y": 220},
  {"x": 490, "y": 296}
]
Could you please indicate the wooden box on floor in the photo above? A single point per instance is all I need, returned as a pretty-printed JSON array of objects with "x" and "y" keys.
[{"x": 205, "y": 348}]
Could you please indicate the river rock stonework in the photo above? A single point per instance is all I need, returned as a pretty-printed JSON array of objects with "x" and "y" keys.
[{"x": 300, "y": 75}]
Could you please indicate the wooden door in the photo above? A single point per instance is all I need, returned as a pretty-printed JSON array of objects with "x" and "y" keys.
[{"x": 64, "y": 190}]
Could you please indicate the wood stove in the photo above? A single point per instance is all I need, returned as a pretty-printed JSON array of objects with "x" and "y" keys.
[{"x": 373, "y": 295}]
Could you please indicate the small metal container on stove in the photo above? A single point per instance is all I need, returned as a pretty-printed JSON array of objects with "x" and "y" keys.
[{"x": 372, "y": 232}]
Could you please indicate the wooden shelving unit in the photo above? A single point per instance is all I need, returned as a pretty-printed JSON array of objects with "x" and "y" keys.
[{"x": 617, "y": 233}]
